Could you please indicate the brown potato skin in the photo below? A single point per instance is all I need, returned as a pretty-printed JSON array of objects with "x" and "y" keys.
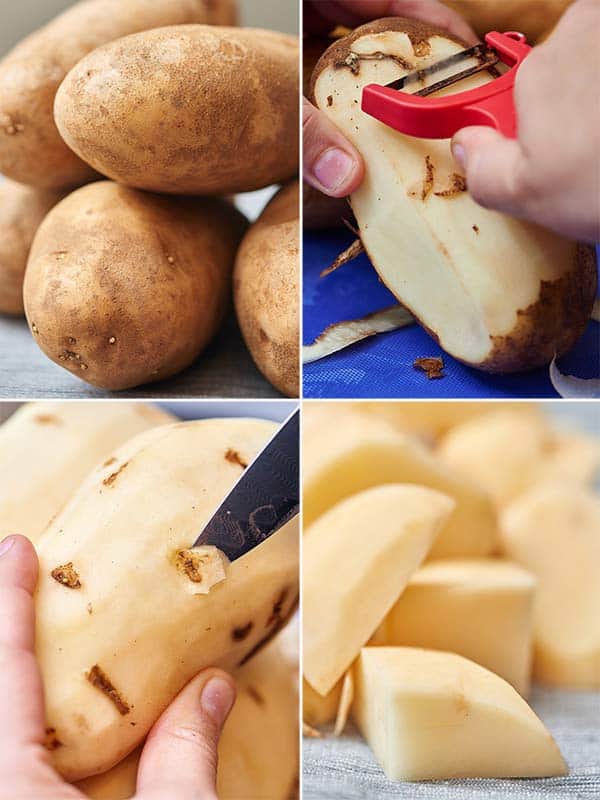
[
  {"x": 233, "y": 128},
  {"x": 266, "y": 290},
  {"x": 31, "y": 149},
  {"x": 124, "y": 288},
  {"x": 22, "y": 209}
]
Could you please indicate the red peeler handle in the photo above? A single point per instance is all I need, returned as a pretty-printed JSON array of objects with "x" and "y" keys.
[{"x": 441, "y": 117}]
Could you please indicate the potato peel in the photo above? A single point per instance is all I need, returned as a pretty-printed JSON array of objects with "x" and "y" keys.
[
  {"x": 345, "y": 704},
  {"x": 343, "y": 334},
  {"x": 572, "y": 388},
  {"x": 349, "y": 254}
]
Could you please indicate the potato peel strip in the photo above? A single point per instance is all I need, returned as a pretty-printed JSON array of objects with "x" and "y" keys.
[
  {"x": 343, "y": 334},
  {"x": 572, "y": 388}
]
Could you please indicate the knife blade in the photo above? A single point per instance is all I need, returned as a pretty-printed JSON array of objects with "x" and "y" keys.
[{"x": 265, "y": 497}]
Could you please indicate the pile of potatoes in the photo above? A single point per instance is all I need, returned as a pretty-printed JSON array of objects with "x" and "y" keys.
[
  {"x": 125, "y": 281},
  {"x": 111, "y": 495},
  {"x": 451, "y": 556}
]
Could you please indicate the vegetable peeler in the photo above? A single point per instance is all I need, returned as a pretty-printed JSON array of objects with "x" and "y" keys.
[
  {"x": 265, "y": 497},
  {"x": 416, "y": 114}
]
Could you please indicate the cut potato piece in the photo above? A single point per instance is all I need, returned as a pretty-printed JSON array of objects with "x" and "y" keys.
[
  {"x": 481, "y": 609},
  {"x": 554, "y": 531},
  {"x": 496, "y": 292},
  {"x": 500, "y": 451},
  {"x": 47, "y": 449},
  {"x": 429, "y": 715},
  {"x": 357, "y": 560},
  {"x": 507, "y": 452},
  {"x": 346, "y": 452}
]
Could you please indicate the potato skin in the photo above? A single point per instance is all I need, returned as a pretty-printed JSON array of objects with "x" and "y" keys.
[
  {"x": 124, "y": 288},
  {"x": 22, "y": 209},
  {"x": 266, "y": 290},
  {"x": 31, "y": 149},
  {"x": 233, "y": 128}
]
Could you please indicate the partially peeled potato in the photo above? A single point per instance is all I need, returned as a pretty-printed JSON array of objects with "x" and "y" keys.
[{"x": 497, "y": 293}]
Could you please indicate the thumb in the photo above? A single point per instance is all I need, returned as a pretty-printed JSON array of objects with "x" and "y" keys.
[
  {"x": 493, "y": 166},
  {"x": 331, "y": 164},
  {"x": 180, "y": 755},
  {"x": 21, "y": 693}
]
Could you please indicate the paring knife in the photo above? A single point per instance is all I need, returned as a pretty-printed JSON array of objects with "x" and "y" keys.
[{"x": 265, "y": 497}]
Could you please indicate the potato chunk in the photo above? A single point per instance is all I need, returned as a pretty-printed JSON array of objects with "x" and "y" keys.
[
  {"x": 479, "y": 608},
  {"x": 429, "y": 715},
  {"x": 554, "y": 531},
  {"x": 357, "y": 560}
]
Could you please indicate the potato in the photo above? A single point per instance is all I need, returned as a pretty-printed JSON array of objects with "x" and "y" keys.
[
  {"x": 258, "y": 751},
  {"x": 31, "y": 149},
  {"x": 233, "y": 128},
  {"x": 498, "y": 293},
  {"x": 534, "y": 18},
  {"x": 345, "y": 452},
  {"x": 480, "y": 608},
  {"x": 22, "y": 208},
  {"x": 122, "y": 624},
  {"x": 554, "y": 531},
  {"x": 266, "y": 286},
  {"x": 351, "y": 579},
  {"x": 430, "y": 715},
  {"x": 47, "y": 449},
  {"x": 506, "y": 452},
  {"x": 124, "y": 288}
]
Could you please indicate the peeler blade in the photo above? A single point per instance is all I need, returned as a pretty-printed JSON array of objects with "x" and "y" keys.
[{"x": 486, "y": 57}]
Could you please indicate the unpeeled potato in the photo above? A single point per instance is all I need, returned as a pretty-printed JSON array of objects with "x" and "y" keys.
[
  {"x": 31, "y": 149},
  {"x": 22, "y": 208},
  {"x": 266, "y": 290},
  {"x": 189, "y": 109},
  {"x": 124, "y": 287}
]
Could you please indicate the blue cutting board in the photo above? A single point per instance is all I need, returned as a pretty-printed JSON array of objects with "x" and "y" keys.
[{"x": 382, "y": 366}]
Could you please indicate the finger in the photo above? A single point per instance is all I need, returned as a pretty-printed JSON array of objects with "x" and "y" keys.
[
  {"x": 355, "y": 12},
  {"x": 180, "y": 755},
  {"x": 331, "y": 164},
  {"x": 21, "y": 693},
  {"x": 494, "y": 167}
]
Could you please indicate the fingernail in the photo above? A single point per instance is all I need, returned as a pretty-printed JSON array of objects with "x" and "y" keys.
[
  {"x": 333, "y": 168},
  {"x": 6, "y": 544},
  {"x": 458, "y": 151},
  {"x": 217, "y": 698}
]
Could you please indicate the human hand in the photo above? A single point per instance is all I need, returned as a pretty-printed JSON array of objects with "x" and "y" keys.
[
  {"x": 331, "y": 164},
  {"x": 180, "y": 755},
  {"x": 550, "y": 174}
]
